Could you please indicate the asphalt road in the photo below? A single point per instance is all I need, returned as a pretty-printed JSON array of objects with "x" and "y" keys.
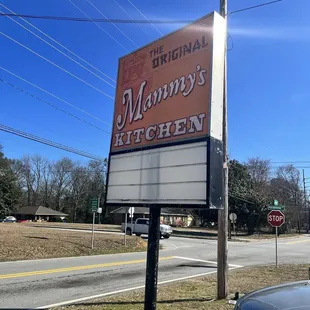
[{"x": 41, "y": 283}]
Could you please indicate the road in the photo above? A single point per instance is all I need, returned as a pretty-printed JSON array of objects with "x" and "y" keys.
[{"x": 41, "y": 283}]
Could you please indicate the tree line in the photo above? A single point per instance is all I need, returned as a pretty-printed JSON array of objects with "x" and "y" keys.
[
  {"x": 254, "y": 185},
  {"x": 63, "y": 185},
  {"x": 68, "y": 187}
]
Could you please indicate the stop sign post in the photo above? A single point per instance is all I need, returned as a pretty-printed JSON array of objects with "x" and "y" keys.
[{"x": 276, "y": 219}]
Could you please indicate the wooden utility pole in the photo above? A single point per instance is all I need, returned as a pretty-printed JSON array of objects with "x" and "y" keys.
[{"x": 222, "y": 247}]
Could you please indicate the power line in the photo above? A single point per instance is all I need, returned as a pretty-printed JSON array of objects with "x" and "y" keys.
[
  {"x": 107, "y": 33},
  {"x": 291, "y": 162},
  {"x": 146, "y": 18},
  {"x": 128, "y": 15},
  {"x": 127, "y": 21},
  {"x": 53, "y": 106},
  {"x": 55, "y": 96},
  {"x": 254, "y": 7},
  {"x": 100, "y": 20},
  {"x": 42, "y": 32},
  {"x": 48, "y": 142},
  {"x": 57, "y": 66},
  {"x": 120, "y": 30}
]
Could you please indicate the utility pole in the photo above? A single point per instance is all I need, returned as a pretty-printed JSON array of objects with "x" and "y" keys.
[
  {"x": 305, "y": 196},
  {"x": 222, "y": 243}
]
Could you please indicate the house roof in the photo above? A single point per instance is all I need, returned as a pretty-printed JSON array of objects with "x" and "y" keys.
[
  {"x": 33, "y": 210},
  {"x": 143, "y": 210}
]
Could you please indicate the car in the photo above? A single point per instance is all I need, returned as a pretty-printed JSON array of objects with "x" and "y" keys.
[
  {"x": 290, "y": 296},
  {"x": 141, "y": 227},
  {"x": 9, "y": 219}
]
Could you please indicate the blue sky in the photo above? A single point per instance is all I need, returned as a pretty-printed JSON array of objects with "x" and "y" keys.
[{"x": 268, "y": 84}]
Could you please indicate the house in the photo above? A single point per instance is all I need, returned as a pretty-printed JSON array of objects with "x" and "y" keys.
[
  {"x": 33, "y": 213},
  {"x": 171, "y": 216}
]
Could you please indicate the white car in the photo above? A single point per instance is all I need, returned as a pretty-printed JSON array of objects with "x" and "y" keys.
[
  {"x": 141, "y": 227},
  {"x": 9, "y": 219}
]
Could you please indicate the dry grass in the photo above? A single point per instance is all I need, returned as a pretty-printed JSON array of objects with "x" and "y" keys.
[
  {"x": 74, "y": 225},
  {"x": 199, "y": 293},
  {"x": 270, "y": 236},
  {"x": 19, "y": 242}
]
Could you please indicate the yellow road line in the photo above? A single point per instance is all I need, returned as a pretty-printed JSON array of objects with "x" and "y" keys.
[
  {"x": 299, "y": 241},
  {"x": 49, "y": 271}
]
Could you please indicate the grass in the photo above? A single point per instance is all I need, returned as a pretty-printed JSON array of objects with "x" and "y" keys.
[
  {"x": 74, "y": 225},
  {"x": 270, "y": 236},
  {"x": 199, "y": 293},
  {"x": 20, "y": 242}
]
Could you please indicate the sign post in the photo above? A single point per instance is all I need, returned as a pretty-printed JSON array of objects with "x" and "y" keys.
[
  {"x": 131, "y": 214},
  {"x": 233, "y": 218},
  {"x": 125, "y": 229},
  {"x": 94, "y": 208},
  {"x": 152, "y": 260},
  {"x": 276, "y": 219}
]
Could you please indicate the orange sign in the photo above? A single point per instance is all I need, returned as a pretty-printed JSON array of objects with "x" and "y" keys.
[{"x": 164, "y": 89}]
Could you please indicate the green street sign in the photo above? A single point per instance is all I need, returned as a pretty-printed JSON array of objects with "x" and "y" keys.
[
  {"x": 280, "y": 208},
  {"x": 94, "y": 204},
  {"x": 275, "y": 202}
]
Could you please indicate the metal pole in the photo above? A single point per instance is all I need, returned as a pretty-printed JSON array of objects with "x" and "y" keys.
[
  {"x": 276, "y": 246},
  {"x": 305, "y": 196},
  {"x": 125, "y": 232},
  {"x": 234, "y": 229},
  {"x": 93, "y": 231},
  {"x": 131, "y": 221},
  {"x": 98, "y": 209},
  {"x": 152, "y": 260},
  {"x": 222, "y": 250}
]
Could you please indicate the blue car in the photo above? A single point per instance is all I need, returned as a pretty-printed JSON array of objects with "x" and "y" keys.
[{"x": 290, "y": 296}]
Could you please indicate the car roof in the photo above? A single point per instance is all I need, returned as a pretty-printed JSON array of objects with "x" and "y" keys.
[{"x": 288, "y": 296}]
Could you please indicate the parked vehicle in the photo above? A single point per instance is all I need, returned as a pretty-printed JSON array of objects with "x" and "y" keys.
[
  {"x": 141, "y": 227},
  {"x": 9, "y": 219},
  {"x": 291, "y": 296}
]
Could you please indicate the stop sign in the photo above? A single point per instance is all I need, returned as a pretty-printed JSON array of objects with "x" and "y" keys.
[{"x": 276, "y": 218}]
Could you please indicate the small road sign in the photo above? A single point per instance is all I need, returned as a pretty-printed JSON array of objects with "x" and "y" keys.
[
  {"x": 281, "y": 208},
  {"x": 131, "y": 212},
  {"x": 233, "y": 217},
  {"x": 276, "y": 218},
  {"x": 94, "y": 204}
]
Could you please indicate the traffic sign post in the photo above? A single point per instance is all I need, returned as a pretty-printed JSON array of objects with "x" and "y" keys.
[
  {"x": 94, "y": 208},
  {"x": 276, "y": 219},
  {"x": 233, "y": 218}
]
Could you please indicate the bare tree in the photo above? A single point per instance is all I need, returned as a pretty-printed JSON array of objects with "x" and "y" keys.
[
  {"x": 61, "y": 180},
  {"x": 288, "y": 184},
  {"x": 79, "y": 189}
]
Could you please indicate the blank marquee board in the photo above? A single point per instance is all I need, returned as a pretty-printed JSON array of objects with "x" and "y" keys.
[{"x": 166, "y": 146}]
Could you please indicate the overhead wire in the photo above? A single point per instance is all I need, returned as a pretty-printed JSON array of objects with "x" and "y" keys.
[
  {"x": 58, "y": 50},
  {"x": 128, "y": 15},
  {"x": 52, "y": 105},
  {"x": 99, "y": 20},
  {"x": 120, "y": 30},
  {"x": 146, "y": 18},
  {"x": 57, "y": 66},
  {"x": 254, "y": 7},
  {"x": 55, "y": 96},
  {"x": 41, "y": 140},
  {"x": 64, "y": 47},
  {"x": 131, "y": 20},
  {"x": 106, "y": 32}
]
